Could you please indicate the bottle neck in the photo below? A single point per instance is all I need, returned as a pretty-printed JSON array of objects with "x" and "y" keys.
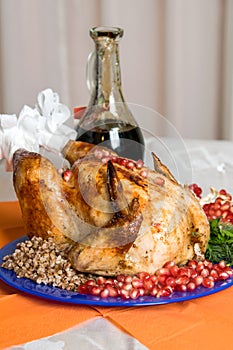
[{"x": 107, "y": 88}]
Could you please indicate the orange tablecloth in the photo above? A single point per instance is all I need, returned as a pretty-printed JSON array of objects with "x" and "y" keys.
[{"x": 205, "y": 323}]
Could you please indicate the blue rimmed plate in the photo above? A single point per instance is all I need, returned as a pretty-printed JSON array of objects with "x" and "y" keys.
[{"x": 53, "y": 293}]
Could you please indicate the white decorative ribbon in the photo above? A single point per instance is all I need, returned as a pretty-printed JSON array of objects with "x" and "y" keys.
[{"x": 42, "y": 126}]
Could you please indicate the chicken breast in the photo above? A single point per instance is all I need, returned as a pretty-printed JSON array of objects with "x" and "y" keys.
[{"x": 117, "y": 219}]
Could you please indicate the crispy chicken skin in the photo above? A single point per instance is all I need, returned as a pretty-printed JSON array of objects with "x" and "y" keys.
[{"x": 115, "y": 220}]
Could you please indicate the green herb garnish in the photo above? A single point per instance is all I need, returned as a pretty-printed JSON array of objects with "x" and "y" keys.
[{"x": 220, "y": 245}]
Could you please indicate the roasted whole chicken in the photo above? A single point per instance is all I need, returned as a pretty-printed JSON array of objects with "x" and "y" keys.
[{"x": 115, "y": 215}]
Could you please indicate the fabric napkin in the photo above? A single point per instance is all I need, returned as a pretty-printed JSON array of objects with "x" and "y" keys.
[{"x": 204, "y": 323}]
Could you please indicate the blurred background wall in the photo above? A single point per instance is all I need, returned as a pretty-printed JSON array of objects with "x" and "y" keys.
[{"x": 176, "y": 56}]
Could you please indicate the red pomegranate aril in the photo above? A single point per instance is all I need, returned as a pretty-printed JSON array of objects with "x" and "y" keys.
[
  {"x": 164, "y": 271},
  {"x": 193, "y": 273},
  {"x": 214, "y": 274},
  {"x": 223, "y": 275},
  {"x": 113, "y": 292},
  {"x": 197, "y": 280},
  {"x": 100, "y": 280},
  {"x": 154, "y": 278},
  {"x": 121, "y": 278},
  {"x": 137, "y": 283},
  {"x": 229, "y": 271},
  {"x": 191, "y": 286},
  {"x": 182, "y": 280},
  {"x": 94, "y": 290},
  {"x": 205, "y": 272},
  {"x": 200, "y": 266},
  {"x": 164, "y": 292},
  {"x": 162, "y": 280},
  {"x": 67, "y": 174},
  {"x": 181, "y": 287},
  {"x": 139, "y": 164},
  {"x": 127, "y": 286},
  {"x": 122, "y": 161},
  {"x": 184, "y": 271},
  {"x": 222, "y": 264},
  {"x": 143, "y": 275},
  {"x": 154, "y": 291},
  {"x": 90, "y": 283},
  {"x": 169, "y": 264},
  {"x": 208, "y": 282},
  {"x": 134, "y": 293},
  {"x": 174, "y": 270},
  {"x": 130, "y": 165},
  {"x": 208, "y": 264},
  {"x": 144, "y": 173},
  {"x": 82, "y": 289},
  {"x": 124, "y": 294},
  {"x": 170, "y": 281},
  {"x": 141, "y": 291},
  {"x": 128, "y": 279},
  {"x": 148, "y": 285},
  {"x": 226, "y": 206},
  {"x": 192, "y": 264},
  {"x": 104, "y": 293}
]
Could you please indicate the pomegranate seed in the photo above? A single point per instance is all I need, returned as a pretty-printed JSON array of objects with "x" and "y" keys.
[
  {"x": 127, "y": 286},
  {"x": 104, "y": 293},
  {"x": 90, "y": 283},
  {"x": 67, "y": 174},
  {"x": 182, "y": 280},
  {"x": 144, "y": 173},
  {"x": 143, "y": 275},
  {"x": 205, "y": 273},
  {"x": 141, "y": 291},
  {"x": 113, "y": 292},
  {"x": 137, "y": 283},
  {"x": 134, "y": 293},
  {"x": 208, "y": 282},
  {"x": 154, "y": 291},
  {"x": 229, "y": 271},
  {"x": 130, "y": 165},
  {"x": 162, "y": 279},
  {"x": 184, "y": 271},
  {"x": 208, "y": 264},
  {"x": 174, "y": 270},
  {"x": 121, "y": 278},
  {"x": 191, "y": 286},
  {"x": 94, "y": 290},
  {"x": 101, "y": 280},
  {"x": 192, "y": 264},
  {"x": 198, "y": 280},
  {"x": 222, "y": 264},
  {"x": 128, "y": 279},
  {"x": 170, "y": 281},
  {"x": 223, "y": 275},
  {"x": 148, "y": 285},
  {"x": 200, "y": 266},
  {"x": 164, "y": 271},
  {"x": 122, "y": 161},
  {"x": 181, "y": 288},
  {"x": 139, "y": 164},
  {"x": 124, "y": 294},
  {"x": 169, "y": 264},
  {"x": 164, "y": 292},
  {"x": 214, "y": 274},
  {"x": 82, "y": 289}
]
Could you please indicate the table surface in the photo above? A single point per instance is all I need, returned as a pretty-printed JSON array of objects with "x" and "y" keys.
[{"x": 206, "y": 323}]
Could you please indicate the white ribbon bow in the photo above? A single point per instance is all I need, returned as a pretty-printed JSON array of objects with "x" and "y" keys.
[{"x": 43, "y": 126}]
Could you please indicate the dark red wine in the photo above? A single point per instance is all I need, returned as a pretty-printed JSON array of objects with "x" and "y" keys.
[{"x": 126, "y": 140}]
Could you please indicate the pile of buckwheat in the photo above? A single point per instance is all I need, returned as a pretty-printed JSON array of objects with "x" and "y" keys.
[{"x": 43, "y": 261}]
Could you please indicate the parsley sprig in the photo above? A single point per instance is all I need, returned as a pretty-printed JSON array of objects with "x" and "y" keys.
[{"x": 220, "y": 245}]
